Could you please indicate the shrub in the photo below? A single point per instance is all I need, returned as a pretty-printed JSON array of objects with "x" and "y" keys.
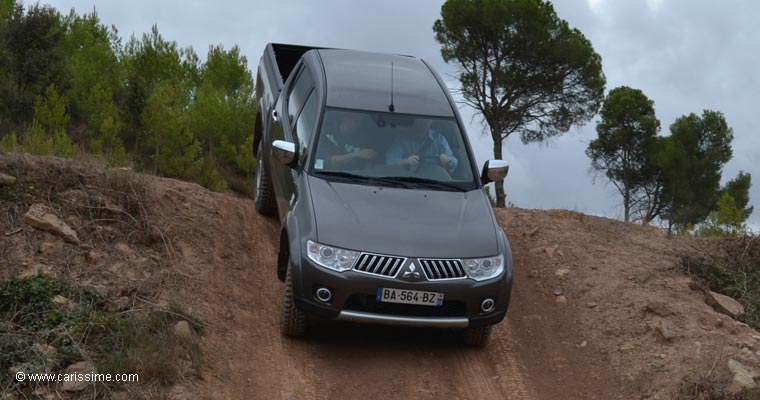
[{"x": 735, "y": 272}]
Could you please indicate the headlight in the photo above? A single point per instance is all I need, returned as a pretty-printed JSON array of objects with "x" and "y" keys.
[
  {"x": 481, "y": 269},
  {"x": 331, "y": 257}
]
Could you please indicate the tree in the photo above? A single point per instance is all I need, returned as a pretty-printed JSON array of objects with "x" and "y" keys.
[
  {"x": 224, "y": 110},
  {"x": 36, "y": 57},
  {"x": 8, "y": 10},
  {"x": 52, "y": 110},
  {"x": 521, "y": 67},
  {"x": 738, "y": 189},
  {"x": 91, "y": 50},
  {"x": 174, "y": 150},
  {"x": 92, "y": 53},
  {"x": 691, "y": 160},
  {"x": 626, "y": 132},
  {"x": 726, "y": 220},
  {"x": 149, "y": 62}
]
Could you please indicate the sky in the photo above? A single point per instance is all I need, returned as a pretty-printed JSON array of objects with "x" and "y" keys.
[{"x": 686, "y": 55}]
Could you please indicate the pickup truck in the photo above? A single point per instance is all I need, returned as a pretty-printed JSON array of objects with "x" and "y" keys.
[{"x": 383, "y": 216}]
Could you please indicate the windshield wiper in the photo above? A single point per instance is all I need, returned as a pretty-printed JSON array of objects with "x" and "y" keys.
[
  {"x": 407, "y": 182},
  {"x": 360, "y": 178},
  {"x": 340, "y": 174},
  {"x": 422, "y": 182}
]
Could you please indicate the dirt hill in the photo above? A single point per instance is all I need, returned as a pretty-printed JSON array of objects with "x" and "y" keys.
[{"x": 600, "y": 309}]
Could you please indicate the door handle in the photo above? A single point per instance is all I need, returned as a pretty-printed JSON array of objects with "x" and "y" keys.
[{"x": 275, "y": 117}]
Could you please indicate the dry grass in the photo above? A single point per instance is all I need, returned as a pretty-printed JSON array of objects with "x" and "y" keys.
[{"x": 108, "y": 208}]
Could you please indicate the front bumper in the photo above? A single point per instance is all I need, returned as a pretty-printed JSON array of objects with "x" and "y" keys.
[{"x": 354, "y": 293}]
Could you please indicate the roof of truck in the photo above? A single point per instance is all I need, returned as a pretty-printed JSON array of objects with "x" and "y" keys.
[{"x": 362, "y": 80}]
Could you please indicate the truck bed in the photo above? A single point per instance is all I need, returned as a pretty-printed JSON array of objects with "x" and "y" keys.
[{"x": 284, "y": 57}]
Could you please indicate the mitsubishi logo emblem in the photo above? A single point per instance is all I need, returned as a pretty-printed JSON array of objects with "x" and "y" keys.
[{"x": 411, "y": 272}]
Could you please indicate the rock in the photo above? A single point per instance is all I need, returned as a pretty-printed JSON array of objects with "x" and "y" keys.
[
  {"x": 749, "y": 357},
  {"x": 74, "y": 196},
  {"x": 119, "y": 396},
  {"x": 82, "y": 367},
  {"x": 126, "y": 251},
  {"x": 666, "y": 330},
  {"x": 44, "y": 349},
  {"x": 41, "y": 217},
  {"x": 64, "y": 302},
  {"x": 550, "y": 251},
  {"x": 625, "y": 347},
  {"x": 744, "y": 377},
  {"x": 93, "y": 256},
  {"x": 179, "y": 393},
  {"x": 591, "y": 304},
  {"x": 114, "y": 209},
  {"x": 724, "y": 304},
  {"x": 742, "y": 324},
  {"x": 37, "y": 269},
  {"x": 562, "y": 272},
  {"x": 98, "y": 290},
  {"x": 6, "y": 179},
  {"x": 13, "y": 370},
  {"x": 50, "y": 249},
  {"x": 533, "y": 273},
  {"x": 120, "y": 304},
  {"x": 560, "y": 299},
  {"x": 182, "y": 330},
  {"x": 658, "y": 308},
  {"x": 583, "y": 344},
  {"x": 557, "y": 292}
]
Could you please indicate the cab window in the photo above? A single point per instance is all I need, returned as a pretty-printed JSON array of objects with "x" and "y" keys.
[
  {"x": 304, "y": 125},
  {"x": 300, "y": 90}
]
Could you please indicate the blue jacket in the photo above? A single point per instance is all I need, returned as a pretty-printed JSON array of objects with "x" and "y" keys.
[{"x": 406, "y": 145}]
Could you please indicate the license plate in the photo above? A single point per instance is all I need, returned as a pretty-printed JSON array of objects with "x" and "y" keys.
[{"x": 403, "y": 296}]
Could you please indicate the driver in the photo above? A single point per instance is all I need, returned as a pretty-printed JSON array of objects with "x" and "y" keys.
[
  {"x": 408, "y": 150},
  {"x": 338, "y": 151}
]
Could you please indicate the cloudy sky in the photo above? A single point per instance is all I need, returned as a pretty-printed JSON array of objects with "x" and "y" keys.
[{"x": 686, "y": 55}]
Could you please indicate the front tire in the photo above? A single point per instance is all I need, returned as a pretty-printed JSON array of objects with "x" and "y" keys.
[
  {"x": 293, "y": 321},
  {"x": 477, "y": 336},
  {"x": 263, "y": 193}
]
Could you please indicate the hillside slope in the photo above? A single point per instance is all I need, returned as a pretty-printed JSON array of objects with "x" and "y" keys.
[{"x": 600, "y": 309}]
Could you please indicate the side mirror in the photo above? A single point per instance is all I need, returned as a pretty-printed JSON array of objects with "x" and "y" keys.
[
  {"x": 494, "y": 171},
  {"x": 284, "y": 152}
]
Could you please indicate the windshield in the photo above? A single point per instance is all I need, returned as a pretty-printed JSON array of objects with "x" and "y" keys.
[{"x": 390, "y": 148}]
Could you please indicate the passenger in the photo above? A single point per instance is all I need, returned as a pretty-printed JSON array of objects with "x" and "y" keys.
[
  {"x": 425, "y": 143},
  {"x": 340, "y": 150}
]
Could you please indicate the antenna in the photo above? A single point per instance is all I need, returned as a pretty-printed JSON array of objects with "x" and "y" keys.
[{"x": 391, "y": 107}]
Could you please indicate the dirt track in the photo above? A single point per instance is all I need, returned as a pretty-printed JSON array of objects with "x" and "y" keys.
[
  {"x": 528, "y": 358},
  {"x": 600, "y": 309}
]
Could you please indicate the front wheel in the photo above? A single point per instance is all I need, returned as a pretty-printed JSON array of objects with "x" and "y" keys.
[
  {"x": 292, "y": 320},
  {"x": 263, "y": 193},
  {"x": 477, "y": 336}
]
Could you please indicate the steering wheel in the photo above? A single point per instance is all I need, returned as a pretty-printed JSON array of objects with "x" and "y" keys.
[{"x": 435, "y": 160}]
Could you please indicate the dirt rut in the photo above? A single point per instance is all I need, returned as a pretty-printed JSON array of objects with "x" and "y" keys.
[{"x": 234, "y": 254}]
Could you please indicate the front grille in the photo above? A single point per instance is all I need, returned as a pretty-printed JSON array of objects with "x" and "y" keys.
[
  {"x": 368, "y": 303},
  {"x": 379, "y": 265},
  {"x": 443, "y": 269}
]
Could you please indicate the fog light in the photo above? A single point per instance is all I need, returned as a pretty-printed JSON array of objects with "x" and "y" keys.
[
  {"x": 488, "y": 305},
  {"x": 324, "y": 295}
]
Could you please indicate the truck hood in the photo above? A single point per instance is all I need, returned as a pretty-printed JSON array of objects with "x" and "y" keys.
[{"x": 405, "y": 222}]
